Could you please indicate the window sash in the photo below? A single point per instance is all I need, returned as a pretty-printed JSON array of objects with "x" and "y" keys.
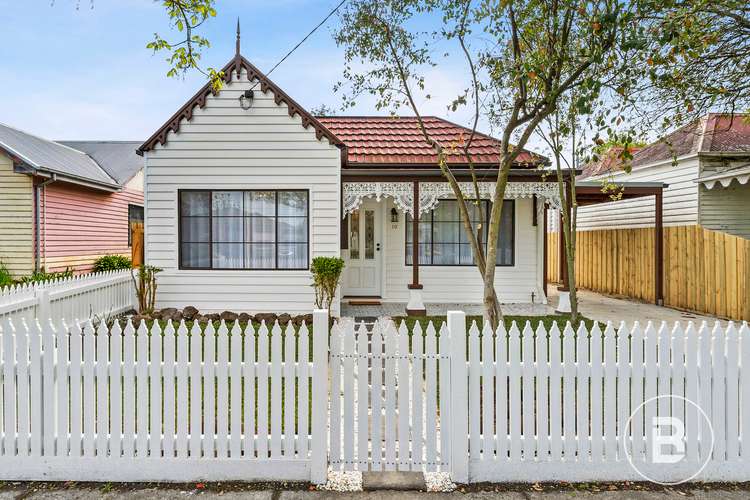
[
  {"x": 456, "y": 251},
  {"x": 239, "y": 232}
]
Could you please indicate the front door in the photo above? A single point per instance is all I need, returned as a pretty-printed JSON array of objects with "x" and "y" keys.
[{"x": 363, "y": 270}]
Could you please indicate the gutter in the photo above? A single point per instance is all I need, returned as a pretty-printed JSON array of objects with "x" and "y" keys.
[
  {"x": 482, "y": 174},
  {"x": 72, "y": 179},
  {"x": 37, "y": 219}
]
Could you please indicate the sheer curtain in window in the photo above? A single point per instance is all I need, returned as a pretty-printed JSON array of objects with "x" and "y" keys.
[
  {"x": 226, "y": 229},
  {"x": 195, "y": 208},
  {"x": 292, "y": 230}
]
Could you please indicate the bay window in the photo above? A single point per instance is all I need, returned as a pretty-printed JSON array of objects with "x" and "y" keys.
[
  {"x": 443, "y": 240},
  {"x": 257, "y": 229}
]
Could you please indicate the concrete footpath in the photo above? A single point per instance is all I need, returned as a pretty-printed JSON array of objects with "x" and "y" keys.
[
  {"x": 22, "y": 491},
  {"x": 605, "y": 308}
]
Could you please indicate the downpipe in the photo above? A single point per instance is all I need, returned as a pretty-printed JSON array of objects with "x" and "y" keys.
[{"x": 37, "y": 220}]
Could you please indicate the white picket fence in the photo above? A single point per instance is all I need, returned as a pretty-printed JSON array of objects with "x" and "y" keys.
[
  {"x": 517, "y": 404},
  {"x": 550, "y": 406},
  {"x": 385, "y": 412},
  {"x": 75, "y": 298},
  {"x": 129, "y": 404}
]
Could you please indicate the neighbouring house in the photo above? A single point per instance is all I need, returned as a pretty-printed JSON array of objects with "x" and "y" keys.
[
  {"x": 65, "y": 203},
  {"x": 681, "y": 234},
  {"x": 706, "y": 165},
  {"x": 244, "y": 187}
]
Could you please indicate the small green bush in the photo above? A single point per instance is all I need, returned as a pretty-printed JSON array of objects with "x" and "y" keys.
[
  {"x": 5, "y": 278},
  {"x": 43, "y": 275},
  {"x": 326, "y": 273},
  {"x": 111, "y": 263}
]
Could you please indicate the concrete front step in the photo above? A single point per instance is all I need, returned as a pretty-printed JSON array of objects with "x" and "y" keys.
[{"x": 393, "y": 481}]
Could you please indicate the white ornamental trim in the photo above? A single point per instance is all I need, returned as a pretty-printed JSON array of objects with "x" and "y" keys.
[
  {"x": 726, "y": 181},
  {"x": 401, "y": 192},
  {"x": 430, "y": 193}
]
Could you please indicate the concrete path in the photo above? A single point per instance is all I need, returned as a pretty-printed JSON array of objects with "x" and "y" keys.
[
  {"x": 86, "y": 493},
  {"x": 604, "y": 308}
]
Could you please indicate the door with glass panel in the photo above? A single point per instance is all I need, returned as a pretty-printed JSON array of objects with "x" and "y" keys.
[{"x": 363, "y": 269}]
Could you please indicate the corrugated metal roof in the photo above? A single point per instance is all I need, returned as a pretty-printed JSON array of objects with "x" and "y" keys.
[
  {"x": 117, "y": 158},
  {"x": 51, "y": 156}
]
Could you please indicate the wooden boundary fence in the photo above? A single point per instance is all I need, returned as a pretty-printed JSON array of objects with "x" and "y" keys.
[
  {"x": 704, "y": 271},
  {"x": 137, "y": 244}
]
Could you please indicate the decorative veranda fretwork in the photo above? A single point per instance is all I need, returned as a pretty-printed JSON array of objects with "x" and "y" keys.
[{"x": 430, "y": 193}]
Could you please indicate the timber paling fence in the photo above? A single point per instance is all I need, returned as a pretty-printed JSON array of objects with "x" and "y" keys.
[
  {"x": 184, "y": 402},
  {"x": 704, "y": 271}
]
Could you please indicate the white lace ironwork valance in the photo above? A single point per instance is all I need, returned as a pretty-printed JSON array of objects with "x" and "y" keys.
[{"x": 430, "y": 193}]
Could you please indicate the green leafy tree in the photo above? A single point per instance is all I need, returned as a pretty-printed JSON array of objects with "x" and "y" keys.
[
  {"x": 184, "y": 52},
  {"x": 521, "y": 59},
  {"x": 695, "y": 59},
  {"x": 323, "y": 110}
]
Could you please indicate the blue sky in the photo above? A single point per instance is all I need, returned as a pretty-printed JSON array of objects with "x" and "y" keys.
[{"x": 85, "y": 73}]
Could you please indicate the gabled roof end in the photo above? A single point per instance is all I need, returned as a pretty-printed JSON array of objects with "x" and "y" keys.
[{"x": 236, "y": 65}]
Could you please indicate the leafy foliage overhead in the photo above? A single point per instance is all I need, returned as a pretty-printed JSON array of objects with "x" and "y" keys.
[{"x": 186, "y": 16}]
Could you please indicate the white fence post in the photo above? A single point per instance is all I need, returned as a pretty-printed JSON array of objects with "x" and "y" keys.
[
  {"x": 42, "y": 304},
  {"x": 319, "y": 445},
  {"x": 459, "y": 422}
]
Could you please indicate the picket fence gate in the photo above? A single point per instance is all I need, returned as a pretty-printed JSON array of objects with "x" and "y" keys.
[
  {"x": 79, "y": 297},
  {"x": 386, "y": 413},
  {"x": 181, "y": 402}
]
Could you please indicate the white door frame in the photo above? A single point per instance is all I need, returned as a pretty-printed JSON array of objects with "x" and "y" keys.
[{"x": 355, "y": 266}]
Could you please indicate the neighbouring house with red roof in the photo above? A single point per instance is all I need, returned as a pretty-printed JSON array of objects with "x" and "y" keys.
[
  {"x": 244, "y": 187},
  {"x": 706, "y": 165},
  {"x": 65, "y": 203}
]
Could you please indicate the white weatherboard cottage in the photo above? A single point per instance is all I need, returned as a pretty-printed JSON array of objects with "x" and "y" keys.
[{"x": 244, "y": 187}]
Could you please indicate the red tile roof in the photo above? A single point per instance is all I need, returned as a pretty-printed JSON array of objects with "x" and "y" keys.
[
  {"x": 609, "y": 162},
  {"x": 398, "y": 141},
  {"x": 713, "y": 133}
]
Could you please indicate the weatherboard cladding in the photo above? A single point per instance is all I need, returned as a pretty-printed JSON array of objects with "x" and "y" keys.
[
  {"x": 79, "y": 224},
  {"x": 16, "y": 219},
  {"x": 225, "y": 147}
]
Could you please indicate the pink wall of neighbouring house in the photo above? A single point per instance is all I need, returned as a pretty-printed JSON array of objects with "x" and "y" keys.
[{"x": 79, "y": 224}]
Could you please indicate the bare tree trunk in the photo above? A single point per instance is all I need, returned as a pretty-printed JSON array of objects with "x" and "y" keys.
[
  {"x": 493, "y": 314},
  {"x": 570, "y": 250},
  {"x": 569, "y": 215}
]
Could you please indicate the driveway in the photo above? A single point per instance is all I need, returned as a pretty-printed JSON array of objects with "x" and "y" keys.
[{"x": 604, "y": 308}]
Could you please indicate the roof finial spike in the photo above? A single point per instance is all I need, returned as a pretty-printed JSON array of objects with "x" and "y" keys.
[{"x": 238, "y": 36}]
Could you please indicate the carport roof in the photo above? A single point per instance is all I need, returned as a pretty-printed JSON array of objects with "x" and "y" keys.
[{"x": 590, "y": 192}]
